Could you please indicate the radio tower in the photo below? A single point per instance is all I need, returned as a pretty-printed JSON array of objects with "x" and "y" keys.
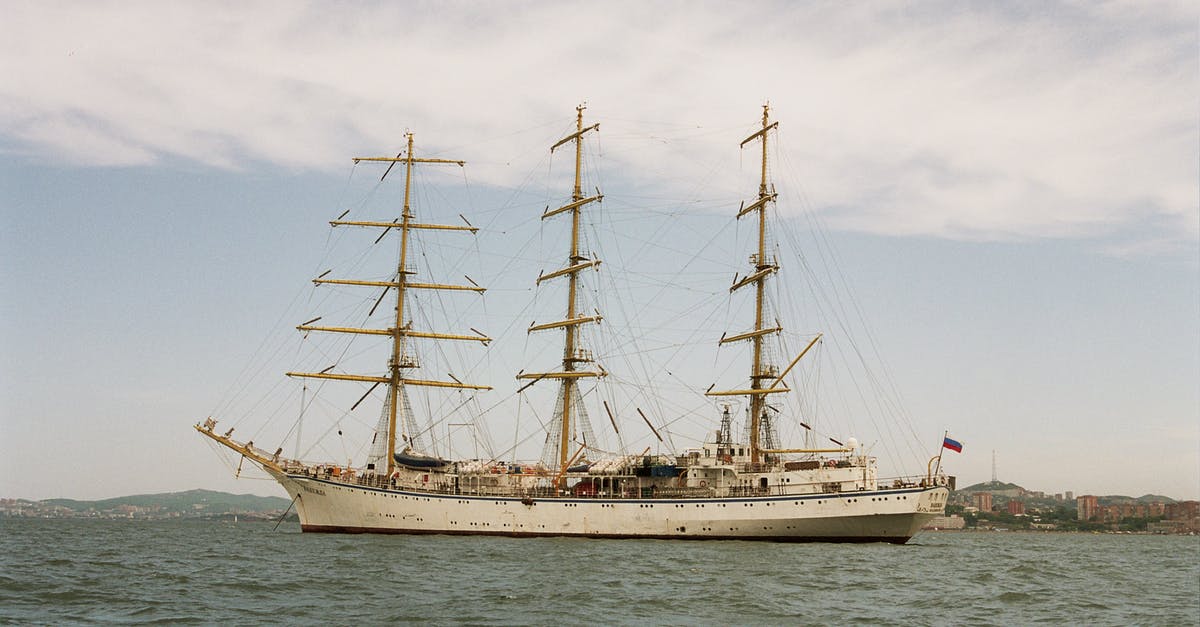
[{"x": 993, "y": 465}]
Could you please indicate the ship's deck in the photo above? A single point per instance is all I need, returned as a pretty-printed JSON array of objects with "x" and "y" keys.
[{"x": 594, "y": 487}]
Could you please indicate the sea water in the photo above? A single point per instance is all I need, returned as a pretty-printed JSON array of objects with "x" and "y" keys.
[{"x": 173, "y": 572}]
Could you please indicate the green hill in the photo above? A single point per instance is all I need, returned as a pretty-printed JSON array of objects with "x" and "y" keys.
[
  {"x": 1120, "y": 499},
  {"x": 1010, "y": 490},
  {"x": 207, "y": 501},
  {"x": 991, "y": 486}
]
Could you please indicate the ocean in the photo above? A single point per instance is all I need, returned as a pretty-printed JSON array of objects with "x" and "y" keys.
[{"x": 178, "y": 572}]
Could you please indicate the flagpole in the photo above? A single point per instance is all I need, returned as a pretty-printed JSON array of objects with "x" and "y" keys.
[{"x": 941, "y": 449}]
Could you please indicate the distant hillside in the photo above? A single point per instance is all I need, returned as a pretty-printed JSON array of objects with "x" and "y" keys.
[
  {"x": 189, "y": 501},
  {"x": 1118, "y": 499},
  {"x": 1012, "y": 490},
  {"x": 991, "y": 486}
]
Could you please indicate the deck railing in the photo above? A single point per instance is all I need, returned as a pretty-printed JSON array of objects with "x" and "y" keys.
[{"x": 613, "y": 487}]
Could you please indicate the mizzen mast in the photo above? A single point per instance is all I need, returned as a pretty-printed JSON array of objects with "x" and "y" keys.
[
  {"x": 764, "y": 377},
  {"x": 400, "y": 359},
  {"x": 573, "y": 355}
]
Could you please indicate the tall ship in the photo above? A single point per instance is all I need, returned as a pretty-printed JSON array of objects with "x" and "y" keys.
[{"x": 742, "y": 483}]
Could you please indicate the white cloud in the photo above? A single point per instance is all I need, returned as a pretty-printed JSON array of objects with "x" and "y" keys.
[{"x": 970, "y": 122}]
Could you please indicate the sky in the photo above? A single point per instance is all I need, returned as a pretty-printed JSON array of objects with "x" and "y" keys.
[{"x": 1010, "y": 192}]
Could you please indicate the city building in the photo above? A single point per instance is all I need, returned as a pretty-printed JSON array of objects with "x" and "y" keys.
[
  {"x": 1086, "y": 507},
  {"x": 1016, "y": 508},
  {"x": 1183, "y": 510},
  {"x": 983, "y": 500}
]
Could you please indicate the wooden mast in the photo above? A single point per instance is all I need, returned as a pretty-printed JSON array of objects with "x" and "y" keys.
[
  {"x": 400, "y": 331},
  {"x": 764, "y": 266},
  {"x": 396, "y": 363},
  {"x": 760, "y": 264},
  {"x": 576, "y": 262}
]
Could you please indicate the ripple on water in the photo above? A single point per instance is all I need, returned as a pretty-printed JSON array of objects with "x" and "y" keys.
[{"x": 245, "y": 574}]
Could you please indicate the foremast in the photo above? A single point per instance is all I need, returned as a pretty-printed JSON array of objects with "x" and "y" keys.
[
  {"x": 764, "y": 377},
  {"x": 574, "y": 358},
  {"x": 400, "y": 359}
]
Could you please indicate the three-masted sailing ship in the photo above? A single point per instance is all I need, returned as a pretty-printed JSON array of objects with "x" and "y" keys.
[{"x": 725, "y": 489}]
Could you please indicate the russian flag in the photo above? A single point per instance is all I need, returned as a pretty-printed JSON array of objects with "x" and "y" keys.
[{"x": 953, "y": 445}]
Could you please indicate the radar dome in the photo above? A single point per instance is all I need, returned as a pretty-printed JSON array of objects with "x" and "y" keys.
[{"x": 852, "y": 443}]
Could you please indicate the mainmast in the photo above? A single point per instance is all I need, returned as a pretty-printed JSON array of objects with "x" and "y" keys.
[
  {"x": 400, "y": 360},
  {"x": 573, "y": 356},
  {"x": 763, "y": 267}
]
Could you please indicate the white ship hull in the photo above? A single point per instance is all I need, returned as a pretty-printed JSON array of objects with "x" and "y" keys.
[{"x": 865, "y": 516}]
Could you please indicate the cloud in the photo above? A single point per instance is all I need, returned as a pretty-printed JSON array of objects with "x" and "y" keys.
[{"x": 960, "y": 121}]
